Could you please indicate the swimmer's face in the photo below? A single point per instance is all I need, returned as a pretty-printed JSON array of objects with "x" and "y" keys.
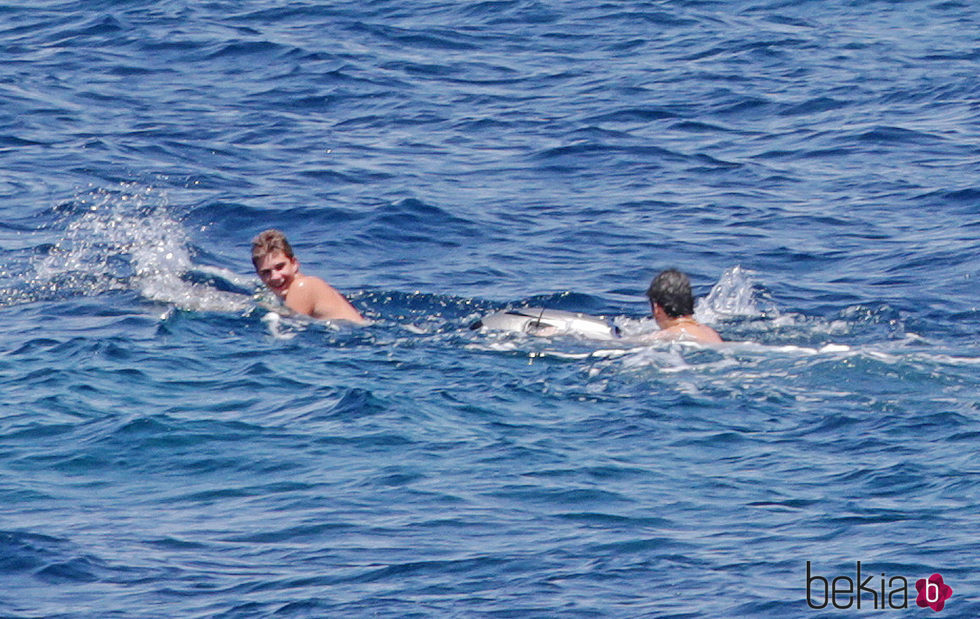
[{"x": 277, "y": 272}]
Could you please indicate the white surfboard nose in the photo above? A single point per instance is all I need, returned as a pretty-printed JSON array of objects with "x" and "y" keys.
[{"x": 545, "y": 323}]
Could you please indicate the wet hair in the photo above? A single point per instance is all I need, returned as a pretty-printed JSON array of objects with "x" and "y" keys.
[
  {"x": 270, "y": 242},
  {"x": 671, "y": 290}
]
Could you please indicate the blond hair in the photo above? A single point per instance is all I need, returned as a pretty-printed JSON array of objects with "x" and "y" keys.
[{"x": 269, "y": 242}]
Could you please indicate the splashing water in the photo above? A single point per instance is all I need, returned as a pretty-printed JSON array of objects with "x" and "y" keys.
[
  {"x": 128, "y": 240},
  {"x": 733, "y": 296},
  {"x": 116, "y": 237}
]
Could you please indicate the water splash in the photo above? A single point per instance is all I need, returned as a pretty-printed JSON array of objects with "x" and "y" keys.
[
  {"x": 277, "y": 329},
  {"x": 734, "y": 296},
  {"x": 127, "y": 239}
]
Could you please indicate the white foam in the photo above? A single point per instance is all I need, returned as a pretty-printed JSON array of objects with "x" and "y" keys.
[
  {"x": 128, "y": 240},
  {"x": 277, "y": 329},
  {"x": 947, "y": 359}
]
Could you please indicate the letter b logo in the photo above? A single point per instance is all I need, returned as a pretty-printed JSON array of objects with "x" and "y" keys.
[{"x": 933, "y": 592}]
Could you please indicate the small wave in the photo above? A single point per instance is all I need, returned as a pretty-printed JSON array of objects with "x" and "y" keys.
[
  {"x": 815, "y": 105},
  {"x": 248, "y": 48},
  {"x": 414, "y": 221},
  {"x": 884, "y": 134},
  {"x": 633, "y": 115},
  {"x": 27, "y": 551}
]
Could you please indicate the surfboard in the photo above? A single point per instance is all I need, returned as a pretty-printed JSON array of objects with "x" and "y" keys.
[{"x": 547, "y": 322}]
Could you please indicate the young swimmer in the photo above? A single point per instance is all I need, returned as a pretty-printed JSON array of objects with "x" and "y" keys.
[
  {"x": 278, "y": 269},
  {"x": 673, "y": 309}
]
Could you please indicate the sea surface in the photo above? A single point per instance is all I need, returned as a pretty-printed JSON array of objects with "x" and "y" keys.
[{"x": 171, "y": 447}]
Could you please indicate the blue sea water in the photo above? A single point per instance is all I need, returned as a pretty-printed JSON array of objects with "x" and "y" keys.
[{"x": 166, "y": 450}]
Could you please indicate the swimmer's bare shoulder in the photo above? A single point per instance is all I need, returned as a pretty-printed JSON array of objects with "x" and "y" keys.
[
  {"x": 314, "y": 297},
  {"x": 696, "y": 332},
  {"x": 688, "y": 331}
]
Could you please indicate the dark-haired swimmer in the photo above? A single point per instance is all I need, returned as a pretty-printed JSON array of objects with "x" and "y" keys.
[
  {"x": 673, "y": 308},
  {"x": 278, "y": 269}
]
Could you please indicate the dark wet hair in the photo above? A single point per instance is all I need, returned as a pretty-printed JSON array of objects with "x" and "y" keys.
[
  {"x": 671, "y": 290},
  {"x": 269, "y": 242}
]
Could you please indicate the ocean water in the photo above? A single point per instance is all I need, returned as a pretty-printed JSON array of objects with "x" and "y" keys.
[{"x": 169, "y": 450}]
